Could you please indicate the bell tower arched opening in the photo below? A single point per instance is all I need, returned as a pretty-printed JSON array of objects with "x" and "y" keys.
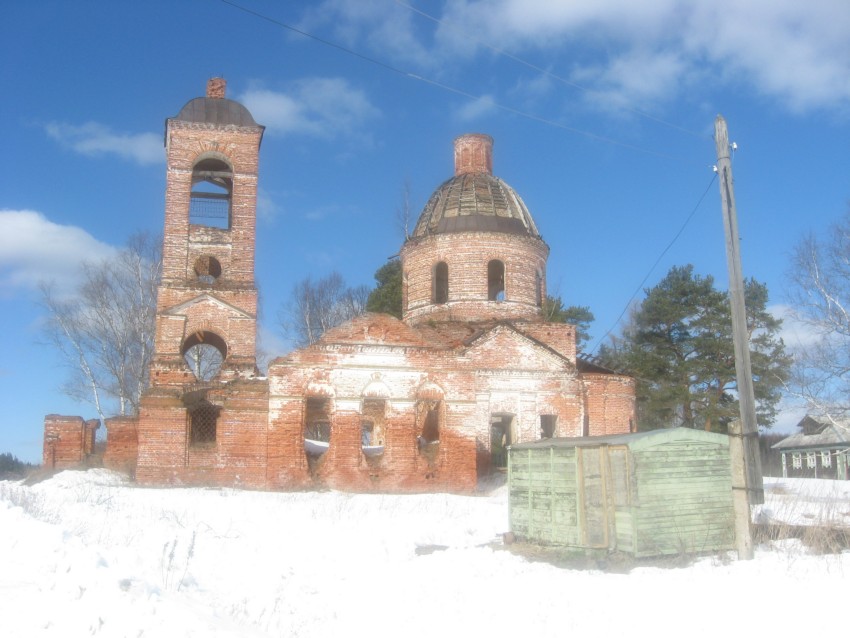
[
  {"x": 212, "y": 192},
  {"x": 204, "y": 353}
]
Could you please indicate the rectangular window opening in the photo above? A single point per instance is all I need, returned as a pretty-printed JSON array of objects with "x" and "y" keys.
[
  {"x": 548, "y": 425},
  {"x": 203, "y": 423}
]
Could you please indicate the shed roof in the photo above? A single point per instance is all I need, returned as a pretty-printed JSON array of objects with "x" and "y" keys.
[{"x": 633, "y": 439}]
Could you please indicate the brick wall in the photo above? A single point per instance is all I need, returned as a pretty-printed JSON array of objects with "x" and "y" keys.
[
  {"x": 122, "y": 444},
  {"x": 467, "y": 255},
  {"x": 499, "y": 372},
  {"x": 238, "y": 454},
  {"x": 610, "y": 403},
  {"x": 68, "y": 441}
]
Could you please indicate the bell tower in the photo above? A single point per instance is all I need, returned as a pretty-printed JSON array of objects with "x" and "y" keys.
[
  {"x": 207, "y": 300},
  {"x": 202, "y": 418}
]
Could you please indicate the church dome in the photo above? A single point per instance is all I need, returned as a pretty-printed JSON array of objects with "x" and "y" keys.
[{"x": 474, "y": 199}]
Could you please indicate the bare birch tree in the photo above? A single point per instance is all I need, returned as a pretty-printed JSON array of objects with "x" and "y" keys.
[
  {"x": 820, "y": 275},
  {"x": 317, "y": 306},
  {"x": 105, "y": 330}
]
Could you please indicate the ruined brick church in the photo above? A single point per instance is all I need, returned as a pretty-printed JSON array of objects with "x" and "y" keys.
[{"x": 428, "y": 402}]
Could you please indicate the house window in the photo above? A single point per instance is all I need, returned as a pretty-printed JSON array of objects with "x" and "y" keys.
[
  {"x": 203, "y": 419},
  {"x": 496, "y": 280},
  {"x": 440, "y": 292},
  {"x": 811, "y": 460},
  {"x": 826, "y": 459},
  {"x": 797, "y": 461}
]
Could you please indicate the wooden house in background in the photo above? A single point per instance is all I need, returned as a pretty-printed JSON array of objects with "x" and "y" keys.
[{"x": 819, "y": 450}]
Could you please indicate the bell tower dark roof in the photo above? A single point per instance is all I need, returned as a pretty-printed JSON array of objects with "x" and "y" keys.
[{"x": 214, "y": 108}]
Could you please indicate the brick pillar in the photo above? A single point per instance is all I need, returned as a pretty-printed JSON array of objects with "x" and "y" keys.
[
  {"x": 216, "y": 88},
  {"x": 473, "y": 154}
]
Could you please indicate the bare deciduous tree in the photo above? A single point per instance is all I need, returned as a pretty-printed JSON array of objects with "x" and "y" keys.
[
  {"x": 820, "y": 274},
  {"x": 204, "y": 360},
  {"x": 317, "y": 306},
  {"x": 105, "y": 330}
]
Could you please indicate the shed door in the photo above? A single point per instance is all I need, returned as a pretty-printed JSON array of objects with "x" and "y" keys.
[{"x": 592, "y": 497}]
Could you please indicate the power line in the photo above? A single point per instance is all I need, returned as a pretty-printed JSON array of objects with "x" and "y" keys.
[
  {"x": 545, "y": 72},
  {"x": 514, "y": 111},
  {"x": 657, "y": 261},
  {"x": 451, "y": 89}
]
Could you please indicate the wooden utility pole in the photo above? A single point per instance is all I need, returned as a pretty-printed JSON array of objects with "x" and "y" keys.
[{"x": 747, "y": 484}]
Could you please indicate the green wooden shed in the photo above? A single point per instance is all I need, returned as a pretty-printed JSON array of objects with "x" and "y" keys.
[{"x": 645, "y": 494}]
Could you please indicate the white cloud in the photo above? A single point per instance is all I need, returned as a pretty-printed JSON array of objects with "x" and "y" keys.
[
  {"x": 476, "y": 108},
  {"x": 797, "y": 51},
  {"x": 267, "y": 207},
  {"x": 789, "y": 414},
  {"x": 96, "y": 139},
  {"x": 794, "y": 333},
  {"x": 34, "y": 249},
  {"x": 794, "y": 52},
  {"x": 317, "y": 107},
  {"x": 388, "y": 30},
  {"x": 634, "y": 79}
]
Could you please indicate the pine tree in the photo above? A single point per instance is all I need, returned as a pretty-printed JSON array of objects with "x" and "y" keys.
[
  {"x": 386, "y": 297},
  {"x": 679, "y": 347}
]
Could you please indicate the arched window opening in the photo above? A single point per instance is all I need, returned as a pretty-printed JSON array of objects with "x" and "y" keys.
[
  {"x": 501, "y": 436},
  {"x": 440, "y": 290},
  {"x": 207, "y": 269},
  {"x": 317, "y": 426},
  {"x": 204, "y": 353},
  {"x": 212, "y": 189},
  {"x": 496, "y": 280},
  {"x": 372, "y": 426},
  {"x": 203, "y": 418},
  {"x": 428, "y": 416}
]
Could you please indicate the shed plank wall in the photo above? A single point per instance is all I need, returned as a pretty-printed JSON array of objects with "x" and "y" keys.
[
  {"x": 667, "y": 497},
  {"x": 684, "y": 498}
]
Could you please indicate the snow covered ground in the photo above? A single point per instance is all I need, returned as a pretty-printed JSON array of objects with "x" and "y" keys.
[{"x": 86, "y": 554}]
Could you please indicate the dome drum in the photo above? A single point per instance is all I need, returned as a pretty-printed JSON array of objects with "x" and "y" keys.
[{"x": 468, "y": 261}]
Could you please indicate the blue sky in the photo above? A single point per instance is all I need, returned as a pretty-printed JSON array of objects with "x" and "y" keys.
[{"x": 602, "y": 114}]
